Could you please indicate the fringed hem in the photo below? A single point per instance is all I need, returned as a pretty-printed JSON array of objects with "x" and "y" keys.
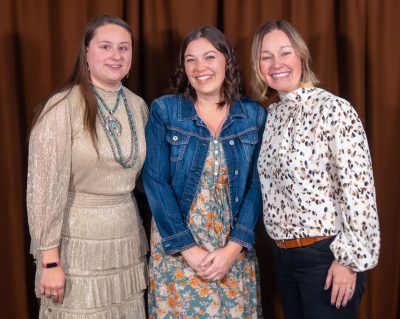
[
  {"x": 103, "y": 254},
  {"x": 133, "y": 309}
]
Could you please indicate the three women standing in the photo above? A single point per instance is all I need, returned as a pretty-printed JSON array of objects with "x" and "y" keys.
[
  {"x": 202, "y": 184},
  {"x": 317, "y": 183},
  {"x": 86, "y": 149}
]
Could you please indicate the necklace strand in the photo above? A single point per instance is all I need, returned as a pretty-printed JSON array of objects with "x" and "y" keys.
[{"x": 113, "y": 130}]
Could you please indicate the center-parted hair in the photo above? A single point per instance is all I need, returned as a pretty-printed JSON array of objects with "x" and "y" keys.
[
  {"x": 260, "y": 86},
  {"x": 232, "y": 86},
  {"x": 80, "y": 75}
]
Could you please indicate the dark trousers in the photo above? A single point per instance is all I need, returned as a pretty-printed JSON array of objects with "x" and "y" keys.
[{"x": 301, "y": 274}]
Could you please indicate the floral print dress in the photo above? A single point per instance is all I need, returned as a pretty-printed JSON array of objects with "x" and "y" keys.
[{"x": 175, "y": 291}]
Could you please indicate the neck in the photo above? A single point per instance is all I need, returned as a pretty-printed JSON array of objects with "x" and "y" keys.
[
  {"x": 107, "y": 87},
  {"x": 208, "y": 102}
]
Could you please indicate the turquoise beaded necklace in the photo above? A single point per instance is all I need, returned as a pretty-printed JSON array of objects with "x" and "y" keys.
[{"x": 113, "y": 129}]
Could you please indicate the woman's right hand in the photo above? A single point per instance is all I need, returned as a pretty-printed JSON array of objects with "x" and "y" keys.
[
  {"x": 51, "y": 284},
  {"x": 194, "y": 256},
  {"x": 52, "y": 280}
]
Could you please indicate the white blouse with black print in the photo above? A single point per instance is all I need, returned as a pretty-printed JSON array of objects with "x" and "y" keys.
[{"x": 316, "y": 176}]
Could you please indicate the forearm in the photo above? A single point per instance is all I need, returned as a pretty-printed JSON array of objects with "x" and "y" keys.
[{"x": 50, "y": 255}]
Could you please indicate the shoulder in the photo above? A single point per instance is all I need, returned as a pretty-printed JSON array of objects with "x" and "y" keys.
[
  {"x": 136, "y": 102},
  {"x": 251, "y": 104},
  {"x": 324, "y": 97},
  {"x": 335, "y": 112},
  {"x": 167, "y": 104},
  {"x": 332, "y": 105},
  {"x": 61, "y": 102},
  {"x": 56, "y": 113},
  {"x": 169, "y": 100},
  {"x": 132, "y": 97},
  {"x": 253, "y": 108}
]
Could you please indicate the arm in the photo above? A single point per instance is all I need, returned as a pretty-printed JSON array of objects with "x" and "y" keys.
[
  {"x": 175, "y": 234},
  {"x": 47, "y": 188},
  {"x": 250, "y": 210},
  {"x": 356, "y": 246}
]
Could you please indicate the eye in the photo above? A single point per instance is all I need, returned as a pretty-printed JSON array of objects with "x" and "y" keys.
[
  {"x": 210, "y": 57},
  {"x": 286, "y": 53},
  {"x": 124, "y": 48},
  {"x": 189, "y": 60},
  {"x": 105, "y": 46},
  {"x": 265, "y": 57}
]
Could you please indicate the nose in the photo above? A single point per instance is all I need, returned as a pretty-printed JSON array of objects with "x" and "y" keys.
[
  {"x": 276, "y": 62},
  {"x": 115, "y": 54},
  {"x": 200, "y": 65}
]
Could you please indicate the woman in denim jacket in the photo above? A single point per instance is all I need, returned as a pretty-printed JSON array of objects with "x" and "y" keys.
[{"x": 201, "y": 181}]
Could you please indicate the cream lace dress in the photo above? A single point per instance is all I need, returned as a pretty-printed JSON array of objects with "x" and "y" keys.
[{"x": 84, "y": 205}]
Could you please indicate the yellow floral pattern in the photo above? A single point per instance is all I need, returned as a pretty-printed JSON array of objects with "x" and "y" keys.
[{"x": 175, "y": 291}]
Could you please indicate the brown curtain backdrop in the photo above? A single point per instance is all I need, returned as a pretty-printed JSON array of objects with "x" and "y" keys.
[{"x": 355, "y": 46}]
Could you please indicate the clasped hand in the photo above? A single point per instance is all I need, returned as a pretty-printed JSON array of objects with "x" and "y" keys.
[{"x": 212, "y": 266}]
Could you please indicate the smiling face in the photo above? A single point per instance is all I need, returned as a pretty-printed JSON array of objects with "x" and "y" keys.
[
  {"x": 279, "y": 63},
  {"x": 109, "y": 56},
  {"x": 205, "y": 68}
]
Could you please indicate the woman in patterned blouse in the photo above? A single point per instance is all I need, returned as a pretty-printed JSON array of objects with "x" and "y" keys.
[{"x": 317, "y": 183}]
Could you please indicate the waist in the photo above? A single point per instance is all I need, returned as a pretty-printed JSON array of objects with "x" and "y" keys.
[
  {"x": 85, "y": 199},
  {"x": 299, "y": 242}
]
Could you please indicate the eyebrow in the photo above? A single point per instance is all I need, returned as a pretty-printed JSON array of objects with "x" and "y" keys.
[
  {"x": 205, "y": 53},
  {"x": 282, "y": 47},
  {"x": 110, "y": 42}
]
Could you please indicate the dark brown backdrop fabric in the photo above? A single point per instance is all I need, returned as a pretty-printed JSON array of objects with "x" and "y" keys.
[{"x": 355, "y": 46}]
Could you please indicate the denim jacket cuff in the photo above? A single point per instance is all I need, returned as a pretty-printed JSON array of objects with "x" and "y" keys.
[
  {"x": 178, "y": 242},
  {"x": 243, "y": 236}
]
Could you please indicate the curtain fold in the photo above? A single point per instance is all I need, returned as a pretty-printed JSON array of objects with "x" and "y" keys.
[{"x": 354, "y": 46}]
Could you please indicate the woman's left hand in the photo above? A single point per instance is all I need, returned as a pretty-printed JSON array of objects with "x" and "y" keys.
[
  {"x": 218, "y": 262},
  {"x": 343, "y": 282}
]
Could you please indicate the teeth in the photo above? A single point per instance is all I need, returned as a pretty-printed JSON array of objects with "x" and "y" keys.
[
  {"x": 280, "y": 75},
  {"x": 203, "y": 77}
]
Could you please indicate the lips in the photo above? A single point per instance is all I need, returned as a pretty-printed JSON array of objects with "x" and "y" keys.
[
  {"x": 203, "y": 77},
  {"x": 279, "y": 75},
  {"x": 115, "y": 66}
]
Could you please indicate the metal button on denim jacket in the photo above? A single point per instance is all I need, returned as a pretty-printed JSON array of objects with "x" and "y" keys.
[{"x": 177, "y": 145}]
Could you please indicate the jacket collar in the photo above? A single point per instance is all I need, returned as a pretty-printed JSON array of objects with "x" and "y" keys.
[{"x": 187, "y": 111}]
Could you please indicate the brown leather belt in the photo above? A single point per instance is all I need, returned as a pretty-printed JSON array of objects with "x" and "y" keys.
[{"x": 298, "y": 242}]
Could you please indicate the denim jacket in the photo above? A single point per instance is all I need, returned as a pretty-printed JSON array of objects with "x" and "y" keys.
[{"x": 177, "y": 146}]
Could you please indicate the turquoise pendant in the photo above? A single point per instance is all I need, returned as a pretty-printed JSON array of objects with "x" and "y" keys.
[{"x": 113, "y": 125}]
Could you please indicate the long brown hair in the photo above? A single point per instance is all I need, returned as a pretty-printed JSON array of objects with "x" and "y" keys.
[
  {"x": 231, "y": 88},
  {"x": 260, "y": 86},
  {"x": 80, "y": 76}
]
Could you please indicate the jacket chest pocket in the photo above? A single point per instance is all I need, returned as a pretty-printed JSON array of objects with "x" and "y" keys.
[
  {"x": 177, "y": 142},
  {"x": 249, "y": 141}
]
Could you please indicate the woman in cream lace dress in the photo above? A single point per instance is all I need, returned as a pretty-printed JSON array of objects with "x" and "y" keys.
[{"x": 85, "y": 151}]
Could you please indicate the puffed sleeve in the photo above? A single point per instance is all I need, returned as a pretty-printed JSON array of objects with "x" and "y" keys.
[
  {"x": 49, "y": 166},
  {"x": 358, "y": 241}
]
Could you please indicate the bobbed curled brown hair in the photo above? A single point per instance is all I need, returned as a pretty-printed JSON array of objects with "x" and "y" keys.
[
  {"x": 80, "y": 76},
  {"x": 232, "y": 86}
]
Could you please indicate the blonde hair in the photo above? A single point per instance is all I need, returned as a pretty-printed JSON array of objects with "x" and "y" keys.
[{"x": 260, "y": 86}]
